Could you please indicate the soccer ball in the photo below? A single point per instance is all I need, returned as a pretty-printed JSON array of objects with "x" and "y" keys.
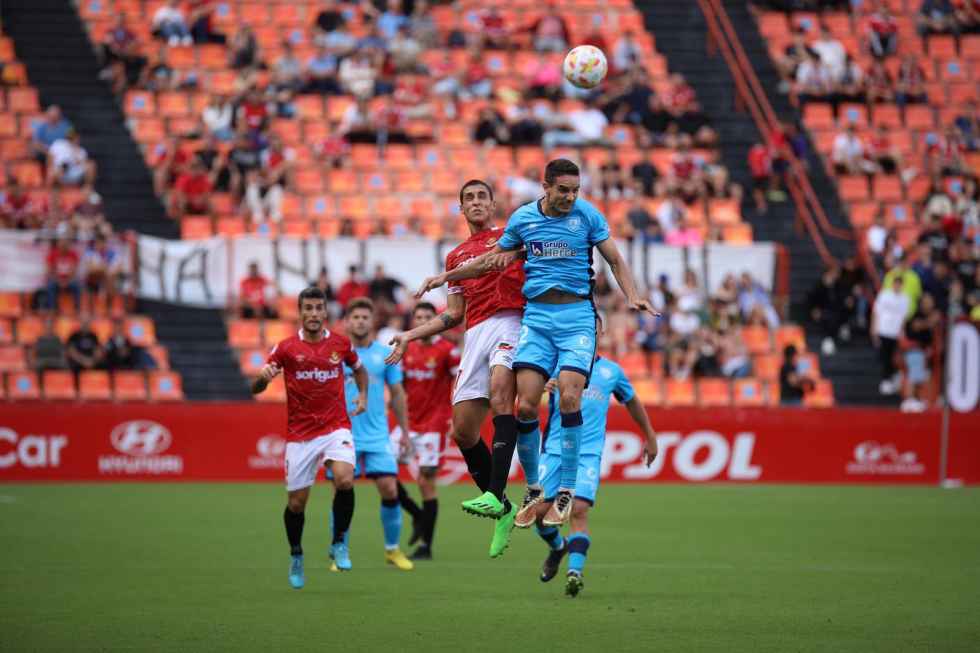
[{"x": 585, "y": 66}]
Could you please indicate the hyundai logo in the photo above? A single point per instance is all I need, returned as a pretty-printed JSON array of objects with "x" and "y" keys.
[
  {"x": 141, "y": 437},
  {"x": 270, "y": 446}
]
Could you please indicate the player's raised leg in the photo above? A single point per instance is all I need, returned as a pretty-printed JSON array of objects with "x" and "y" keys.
[
  {"x": 391, "y": 522},
  {"x": 343, "y": 513}
]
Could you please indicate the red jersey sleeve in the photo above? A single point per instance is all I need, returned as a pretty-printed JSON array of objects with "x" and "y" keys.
[
  {"x": 351, "y": 359},
  {"x": 277, "y": 356},
  {"x": 453, "y": 287}
]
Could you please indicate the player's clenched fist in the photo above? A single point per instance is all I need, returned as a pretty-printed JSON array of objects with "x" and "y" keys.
[{"x": 269, "y": 372}]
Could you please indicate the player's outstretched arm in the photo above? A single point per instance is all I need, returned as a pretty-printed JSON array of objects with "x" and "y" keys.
[
  {"x": 639, "y": 415},
  {"x": 266, "y": 374},
  {"x": 453, "y": 315},
  {"x": 496, "y": 259},
  {"x": 624, "y": 277}
]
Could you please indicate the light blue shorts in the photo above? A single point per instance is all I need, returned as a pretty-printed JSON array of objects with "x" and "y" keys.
[
  {"x": 557, "y": 335},
  {"x": 915, "y": 363},
  {"x": 373, "y": 464},
  {"x": 586, "y": 483}
]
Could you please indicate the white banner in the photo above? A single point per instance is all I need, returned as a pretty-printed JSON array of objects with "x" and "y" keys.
[{"x": 23, "y": 261}]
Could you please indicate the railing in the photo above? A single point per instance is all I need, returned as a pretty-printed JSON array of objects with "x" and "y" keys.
[{"x": 765, "y": 123}]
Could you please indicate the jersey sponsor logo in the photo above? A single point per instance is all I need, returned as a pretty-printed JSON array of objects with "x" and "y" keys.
[
  {"x": 420, "y": 375},
  {"x": 30, "y": 450},
  {"x": 142, "y": 444},
  {"x": 318, "y": 375},
  {"x": 872, "y": 457},
  {"x": 271, "y": 450},
  {"x": 551, "y": 249}
]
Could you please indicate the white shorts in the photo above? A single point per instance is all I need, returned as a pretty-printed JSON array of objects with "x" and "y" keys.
[
  {"x": 304, "y": 459},
  {"x": 426, "y": 448},
  {"x": 490, "y": 343}
]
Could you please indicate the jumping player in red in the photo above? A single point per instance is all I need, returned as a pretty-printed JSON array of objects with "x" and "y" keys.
[
  {"x": 318, "y": 426},
  {"x": 430, "y": 365},
  {"x": 492, "y": 306}
]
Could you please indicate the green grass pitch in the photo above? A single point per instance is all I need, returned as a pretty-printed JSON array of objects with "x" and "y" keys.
[{"x": 184, "y": 567}]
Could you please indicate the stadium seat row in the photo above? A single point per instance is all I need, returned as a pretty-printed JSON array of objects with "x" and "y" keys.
[
  {"x": 26, "y": 330},
  {"x": 93, "y": 385}
]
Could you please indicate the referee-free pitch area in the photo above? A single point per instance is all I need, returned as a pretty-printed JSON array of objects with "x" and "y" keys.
[{"x": 187, "y": 567}]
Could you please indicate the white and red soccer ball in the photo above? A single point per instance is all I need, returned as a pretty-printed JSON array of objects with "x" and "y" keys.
[{"x": 585, "y": 66}]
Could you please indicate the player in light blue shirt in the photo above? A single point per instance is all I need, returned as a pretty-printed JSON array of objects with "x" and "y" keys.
[
  {"x": 608, "y": 380},
  {"x": 557, "y": 233},
  {"x": 375, "y": 459}
]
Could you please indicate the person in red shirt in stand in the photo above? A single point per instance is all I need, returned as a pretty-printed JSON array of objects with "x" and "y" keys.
[
  {"x": 19, "y": 210},
  {"x": 318, "y": 426},
  {"x": 882, "y": 32},
  {"x": 354, "y": 287},
  {"x": 760, "y": 167},
  {"x": 430, "y": 366},
  {"x": 253, "y": 295},
  {"x": 192, "y": 191},
  {"x": 491, "y": 306},
  {"x": 63, "y": 262},
  {"x": 253, "y": 114},
  {"x": 169, "y": 160}
]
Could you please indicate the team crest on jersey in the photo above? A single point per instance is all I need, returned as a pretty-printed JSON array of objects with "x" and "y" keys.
[
  {"x": 575, "y": 223},
  {"x": 491, "y": 242},
  {"x": 430, "y": 363},
  {"x": 606, "y": 374},
  {"x": 300, "y": 358},
  {"x": 334, "y": 358}
]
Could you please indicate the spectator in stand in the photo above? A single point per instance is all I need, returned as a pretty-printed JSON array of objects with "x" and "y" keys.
[
  {"x": 831, "y": 52},
  {"x": 813, "y": 80},
  {"x": 159, "y": 75},
  {"x": 321, "y": 73},
  {"x": 242, "y": 159},
  {"x": 243, "y": 50},
  {"x": 879, "y": 85},
  {"x": 168, "y": 161},
  {"x": 967, "y": 16},
  {"x": 48, "y": 351},
  {"x": 45, "y": 131},
  {"x": 333, "y": 151},
  {"x": 626, "y": 53},
  {"x": 645, "y": 173},
  {"x": 891, "y": 308},
  {"x": 887, "y": 158},
  {"x": 882, "y": 32},
  {"x": 640, "y": 220},
  {"x": 63, "y": 267},
  {"x": 265, "y": 187},
  {"x": 457, "y": 37},
  {"x": 945, "y": 155},
  {"x": 359, "y": 72},
  {"x": 850, "y": 86},
  {"x": 525, "y": 127},
  {"x": 88, "y": 219},
  {"x": 827, "y": 305},
  {"x": 170, "y": 25},
  {"x": 684, "y": 234},
  {"x": 354, "y": 287},
  {"x": 192, "y": 191},
  {"x": 911, "y": 283},
  {"x": 877, "y": 236},
  {"x": 670, "y": 213},
  {"x": 934, "y": 237},
  {"x": 199, "y": 16},
  {"x": 392, "y": 19},
  {"x": 256, "y": 295},
  {"x": 18, "y": 209},
  {"x": 253, "y": 114},
  {"x": 214, "y": 158},
  {"x": 549, "y": 33},
  {"x": 384, "y": 290},
  {"x": 936, "y": 17},
  {"x": 329, "y": 18},
  {"x": 423, "y": 25},
  {"x": 84, "y": 350},
  {"x": 760, "y": 167},
  {"x": 357, "y": 123},
  {"x": 121, "y": 354},
  {"x": 102, "y": 268},
  {"x": 612, "y": 182},
  {"x": 525, "y": 187},
  {"x": 718, "y": 186},
  {"x": 340, "y": 42},
  {"x": 218, "y": 118},
  {"x": 68, "y": 163},
  {"x": 120, "y": 54},
  {"x": 544, "y": 79},
  {"x": 322, "y": 282},
  {"x": 848, "y": 154},
  {"x": 579, "y": 128},
  {"x": 287, "y": 80},
  {"x": 493, "y": 30},
  {"x": 733, "y": 355},
  {"x": 753, "y": 298},
  {"x": 792, "y": 384},
  {"x": 911, "y": 85},
  {"x": 686, "y": 174},
  {"x": 968, "y": 123},
  {"x": 922, "y": 331},
  {"x": 491, "y": 128},
  {"x": 405, "y": 52},
  {"x": 795, "y": 54}
]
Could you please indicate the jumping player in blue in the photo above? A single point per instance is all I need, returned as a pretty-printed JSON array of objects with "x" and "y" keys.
[
  {"x": 558, "y": 331},
  {"x": 608, "y": 380},
  {"x": 372, "y": 443}
]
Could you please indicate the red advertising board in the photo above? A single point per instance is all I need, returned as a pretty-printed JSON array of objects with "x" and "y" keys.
[{"x": 243, "y": 442}]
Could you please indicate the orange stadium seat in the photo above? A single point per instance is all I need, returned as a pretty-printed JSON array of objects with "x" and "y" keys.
[
  {"x": 277, "y": 330},
  {"x": 756, "y": 339},
  {"x": 29, "y": 329},
  {"x": 140, "y": 330},
  {"x": 790, "y": 334},
  {"x": 65, "y": 326},
  {"x": 251, "y": 360},
  {"x": 129, "y": 386},
  {"x": 23, "y": 385},
  {"x": 714, "y": 392},
  {"x": 822, "y": 395},
  {"x": 649, "y": 391},
  {"x": 244, "y": 334},
  {"x": 679, "y": 392},
  {"x": 10, "y": 304},
  {"x": 12, "y": 358},
  {"x": 6, "y": 331},
  {"x": 160, "y": 356},
  {"x": 767, "y": 366},
  {"x": 166, "y": 386},
  {"x": 748, "y": 392},
  {"x": 58, "y": 384},
  {"x": 94, "y": 385},
  {"x": 195, "y": 227},
  {"x": 274, "y": 392}
]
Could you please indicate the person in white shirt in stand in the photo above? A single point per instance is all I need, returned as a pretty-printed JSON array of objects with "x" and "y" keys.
[
  {"x": 849, "y": 155},
  {"x": 170, "y": 24},
  {"x": 583, "y": 127},
  {"x": 68, "y": 163},
  {"x": 887, "y": 321},
  {"x": 832, "y": 54}
]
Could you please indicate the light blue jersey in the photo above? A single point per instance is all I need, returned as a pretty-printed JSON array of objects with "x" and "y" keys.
[
  {"x": 371, "y": 427},
  {"x": 608, "y": 380},
  {"x": 559, "y": 249}
]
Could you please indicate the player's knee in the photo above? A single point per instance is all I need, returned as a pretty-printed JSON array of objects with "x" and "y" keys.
[
  {"x": 463, "y": 436},
  {"x": 388, "y": 487},
  {"x": 428, "y": 473},
  {"x": 343, "y": 483},
  {"x": 570, "y": 404},
  {"x": 501, "y": 404},
  {"x": 296, "y": 503},
  {"x": 580, "y": 516},
  {"x": 527, "y": 409}
]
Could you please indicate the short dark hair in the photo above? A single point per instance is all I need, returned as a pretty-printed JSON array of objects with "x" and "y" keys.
[
  {"x": 475, "y": 182},
  {"x": 559, "y": 167},
  {"x": 312, "y": 292},
  {"x": 427, "y": 306},
  {"x": 789, "y": 351},
  {"x": 359, "y": 302}
]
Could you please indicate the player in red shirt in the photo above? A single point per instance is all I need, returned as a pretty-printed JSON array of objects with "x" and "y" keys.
[
  {"x": 318, "y": 427},
  {"x": 492, "y": 306},
  {"x": 429, "y": 366}
]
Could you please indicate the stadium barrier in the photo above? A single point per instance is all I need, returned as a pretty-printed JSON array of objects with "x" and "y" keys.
[{"x": 244, "y": 442}]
